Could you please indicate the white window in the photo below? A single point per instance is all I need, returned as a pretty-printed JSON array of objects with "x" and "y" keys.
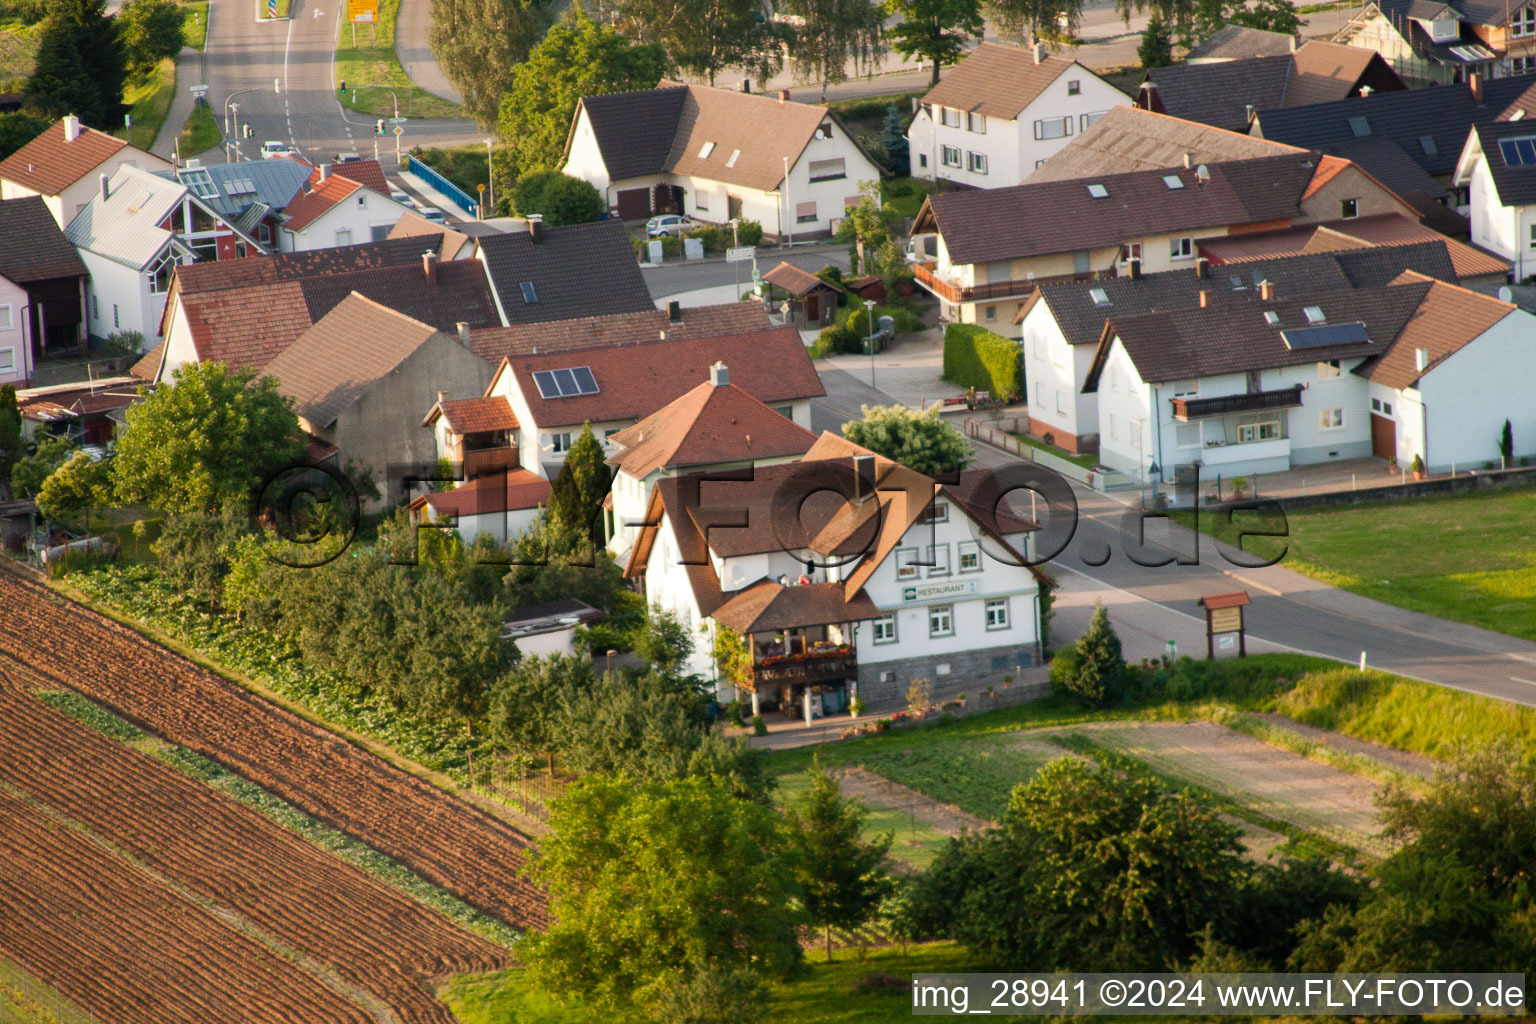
[
  {"x": 1061, "y": 402},
  {"x": 970, "y": 556},
  {"x": 939, "y": 555},
  {"x": 997, "y": 613},
  {"x": 949, "y": 156},
  {"x": 951, "y": 117},
  {"x": 1181, "y": 248},
  {"x": 978, "y": 162},
  {"x": 701, "y": 200},
  {"x": 1053, "y": 128},
  {"x": 1533, "y": 236},
  {"x": 559, "y": 443},
  {"x": 938, "y": 512},
  {"x": 1040, "y": 394},
  {"x": 1085, "y": 121},
  {"x": 362, "y": 200},
  {"x": 991, "y": 314},
  {"x": 884, "y": 629},
  {"x": 1187, "y": 435},
  {"x": 344, "y": 236},
  {"x": 1330, "y": 419},
  {"x": 1074, "y": 87},
  {"x": 1039, "y": 348},
  {"x": 7, "y": 360},
  {"x": 1114, "y": 379},
  {"x": 6, "y": 323},
  {"x": 906, "y": 563},
  {"x": 1328, "y": 369},
  {"x": 1349, "y": 209},
  {"x": 1130, "y": 251},
  {"x": 828, "y": 170},
  {"x": 1522, "y": 65},
  {"x": 1266, "y": 431},
  {"x": 787, "y": 411},
  {"x": 264, "y": 233},
  {"x": 1114, "y": 430},
  {"x": 922, "y": 160},
  {"x": 941, "y": 620},
  {"x": 976, "y": 123},
  {"x": 1523, "y": 22},
  {"x": 1385, "y": 408}
]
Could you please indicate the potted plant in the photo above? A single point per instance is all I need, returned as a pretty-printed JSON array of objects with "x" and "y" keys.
[
  {"x": 1418, "y": 467},
  {"x": 1007, "y": 681},
  {"x": 1239, "y": 485},
  {"x": 855, "y": 708}
]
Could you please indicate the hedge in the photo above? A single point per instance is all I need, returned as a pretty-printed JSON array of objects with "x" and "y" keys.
[{"x": 974, "y": 357}]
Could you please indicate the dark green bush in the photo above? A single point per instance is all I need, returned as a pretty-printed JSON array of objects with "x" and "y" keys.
[{"x": 974, "y": 357}]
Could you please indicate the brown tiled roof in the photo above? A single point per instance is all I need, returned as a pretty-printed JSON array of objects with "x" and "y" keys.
[
  {"x": 769, "y": 606},
  {"x": 1326, "y": 72},
  {"x": 492, "y": 343},
  {"x": 474, "y": 415},
  {"x": 1032, "y": 219},
  {"x": 32, "y": 247},
  {"x": 322, "y": 197},
  {"x": 706, "y": 426},
  {"x": 797, "y": 282},
  {"x": 461, "y": 293},
  {"x": 1374, "y": 230},
  {"x": 996, "y": 80},
  {"x": 292, "y": 266},
  {"x": 148, "y": 366},
  {"x": 979, "y": 493},
  {"x": 1129, "y": 139},
  {"x": 335, "y": 362},
  {"x": 1447, "y": 318},
  {"x": 246, "y": 326},
  {"x": 451, "y": 243},
  {"x": 636, "y": 380},
  {"x": 514, "y": 490},
  {"x": 1234, "y": 42},
  {"x": 48, "y": 165}
]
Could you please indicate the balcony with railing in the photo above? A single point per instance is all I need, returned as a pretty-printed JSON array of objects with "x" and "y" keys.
[
  {"x": 485, "y": 461},
  {"x": 1186, "y": 409},
  {"x": 815, "y": 663},
  {"x": 949, "y": 291}
]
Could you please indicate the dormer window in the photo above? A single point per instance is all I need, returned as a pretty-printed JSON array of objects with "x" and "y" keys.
[
  {"x": 1523, "y": 22},
  {"x": 1445, "y": 28}
]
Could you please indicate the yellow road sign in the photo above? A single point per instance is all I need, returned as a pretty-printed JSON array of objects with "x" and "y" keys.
[{"x": 363, "y": 11}]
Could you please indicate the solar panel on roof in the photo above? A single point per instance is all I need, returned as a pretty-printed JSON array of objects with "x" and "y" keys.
[
  {"x": 1317, "y": 337},
  {"x": 565, "y": 382},
  {"x": 586, "y": 384},
  {"x": 1519, "y": 152},
  {"x": 545, "y": 381},
  {"x": 529, "y": 295}
]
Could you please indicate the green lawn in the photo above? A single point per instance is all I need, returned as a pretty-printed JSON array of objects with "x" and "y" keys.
[
  {"x": 1085, "y": 461},
  {"x": 149, "y": 98},
  {"x": 18, "y": 54},
  {"x": 865, "y": 118},
  {"x": 1471, "y": 557},
  {"x": 825, "y": 995},
  {"x": 25, "y": 1000},
  {"x": 195, "y": 29},
  {"x": 371, "y": 69},
  {"x": 905, "y": 195},
  {"x": 914, "y": 843},
  {"x": 202, "y": 132}
]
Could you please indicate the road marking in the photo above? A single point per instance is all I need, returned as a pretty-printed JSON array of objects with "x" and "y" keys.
[
  {"x": 1528, "y": 682},
  {"x": 287, "y": 111}
]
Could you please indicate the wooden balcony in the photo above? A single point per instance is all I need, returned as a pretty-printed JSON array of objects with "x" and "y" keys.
[
  {"x": 1185, "y": 409},
  {"x": 950, "y": 292},
  {"x": 485, "y": 461},
  {"x": 813, "y": 666}
]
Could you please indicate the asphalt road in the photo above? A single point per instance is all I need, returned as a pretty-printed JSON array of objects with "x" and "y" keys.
[{"x": 246, "y": 54}]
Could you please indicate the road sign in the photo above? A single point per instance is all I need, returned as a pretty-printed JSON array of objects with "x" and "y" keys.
[
  {"x": 361, "y": 12},
  {"x": 739, "y": 254},
  {"x": 271, "y": 8},
  {"x": 199, "y": 91},
  {"x": 399, "y": 130}
]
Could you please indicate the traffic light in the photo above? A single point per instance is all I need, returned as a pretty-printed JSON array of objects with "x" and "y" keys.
[
  {"x": 378, "y": 126},
  {"x": 343, "y": 86},
  {"x": 247, "y": 131}
]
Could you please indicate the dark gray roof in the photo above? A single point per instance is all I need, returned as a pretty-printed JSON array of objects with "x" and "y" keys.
[
  {"x": 271, "y": 182},
  {"x": 460, "y": 294},
  {"x": 1234, "y": 42},
  {"x": 1474, "y": 12},
  {"x": 1219, "y": 94},
  {"x": 1444, "y": 115},
  {"x": 635, "y": 129},
  {"x": 1387, "y": 162},
  {"x": 577, "y": 270},
  {"x": 32, "y": 247},
  {"x": 1081, "y": 319},
  {"x": 1058, "y": 216},
  {"x": 1516, "y": 185}
]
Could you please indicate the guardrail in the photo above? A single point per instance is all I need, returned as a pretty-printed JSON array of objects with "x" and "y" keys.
[
  {"x": 1099, "y": 478},
  {"x": 443, "y": 185}
]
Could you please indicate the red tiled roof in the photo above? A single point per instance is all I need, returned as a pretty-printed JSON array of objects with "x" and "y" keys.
[
  {"x": 770, "y": 606},
  {"x": 710, "y": 424},
  {"x": 797, "y": 282},
  {"x": 48, "y": 165},
  {"x": 517, "y": 489},
  {"x": 474, "y": 415},
  {"x": 636, "y": 380},
  {"x": 294, "y": 266},
  {"x": 493, "y": 343},
  {"x": 1447, "y": 318},
  {"x": 367, "y": 173},
  {"x": 246, "y": 326},
  {"x": 322, "y": 197}
]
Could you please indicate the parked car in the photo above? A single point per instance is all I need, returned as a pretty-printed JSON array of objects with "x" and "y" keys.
[
  {"x": 668, "y": 224},
  {"x": 433, "y": 214},
  {"x": 345, "y": 158},
  {"x": 402, "y": 198},
  {"x": 274, "y": 148}
]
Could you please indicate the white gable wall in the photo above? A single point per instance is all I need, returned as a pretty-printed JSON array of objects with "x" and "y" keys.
[
  {"x": 1054, "y": 373},
  {"x": 1499, "y": 369},
  {"x": 363, "y": 216},
  {"x": 78, "y": 195}
]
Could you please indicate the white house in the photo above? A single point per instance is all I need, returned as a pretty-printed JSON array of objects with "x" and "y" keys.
[
  {"x": 716, "y": 155},
  {"x": 1417, "y": 368},
  {"x": 1498, "y": 169},
  {"x": 499, "y": 504},
  {"x": 337, "y": 209},
  {"x": 132, "y": 236},
  {"x": 846, "y": 574},
  {"x": 1001, "y": 112},
  {"x": 64, "y": 163},
  {"x": 554, "y": 394},
  {"x": 42, "y": 290},
  {"x": 15, "y": 347}
]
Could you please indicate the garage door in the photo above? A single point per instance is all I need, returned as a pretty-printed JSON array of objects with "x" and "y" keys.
[
  {"x": 1383, "y": 438},
  {"x": 634, "y": 203}
]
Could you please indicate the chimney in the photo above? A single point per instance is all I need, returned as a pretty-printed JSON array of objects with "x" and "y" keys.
[
  {"x": 662, "y": 334},
  {"x": 1293, "y": 44},
  {"x": 429, "y": 266},
  {"x": 675, "y": 312},
  {"x": 442, "y": 396},
  {"x": 71, "y": 127},
  {"x": 746, "y": 85},
  {"x": 536, "y": 227},
  {"x": 863, "y": 477},
  {"x": 1248, "y": 112},
  {"x": 1203, "y": 268},
  {"x": 463, "y": 333},
  {"x": 1475, "y": 83},
  {"x": 1267, "y": 291},
  {"x": 783, "y": 96},
  {"x": 106, "y": 187},
  {"x": 1205, "y": 298},
  {"x": 1038, "y": 51},
  {"x": 1421, "y": 359},
  {"x": 325, "y": 171},
  {"x": 1366, "y": 90},
  {"x": 719, "y": 376},
  {"x": 1189, "y": 160},
  {"x": 1134, "y": 263}
]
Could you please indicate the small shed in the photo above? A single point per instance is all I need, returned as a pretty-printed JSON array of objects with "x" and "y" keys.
[
  {"x": 867, "y": 287},
  {"x": 812, "y": 302}
]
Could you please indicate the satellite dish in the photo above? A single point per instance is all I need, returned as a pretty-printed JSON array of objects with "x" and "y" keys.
[
  {"x": 1202, "y": 173},
  {"x": 821, "y": 133}
]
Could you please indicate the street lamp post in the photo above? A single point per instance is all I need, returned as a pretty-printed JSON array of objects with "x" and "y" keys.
[
  {"x": 490, "y": 173},
  {"x": 233, "y": 134},
  {"x": 869, "y": 307}
]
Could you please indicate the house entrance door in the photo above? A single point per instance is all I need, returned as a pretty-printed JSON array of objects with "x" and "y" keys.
[{"x": 1383, "y": 438}]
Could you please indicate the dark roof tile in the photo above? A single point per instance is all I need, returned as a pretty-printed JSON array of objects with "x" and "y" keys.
[{"x": 579, "y": 270}]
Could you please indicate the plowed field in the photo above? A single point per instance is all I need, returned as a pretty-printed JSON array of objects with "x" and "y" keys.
[
  {"x": 469, "y": 853},
  {"x": 104, "y": 832}
]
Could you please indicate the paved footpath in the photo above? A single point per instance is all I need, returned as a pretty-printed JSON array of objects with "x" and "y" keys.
[{"x": 411, "y": 26}]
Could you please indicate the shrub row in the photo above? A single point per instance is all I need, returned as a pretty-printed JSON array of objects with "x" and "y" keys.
[{"x": 974, "y": 357}]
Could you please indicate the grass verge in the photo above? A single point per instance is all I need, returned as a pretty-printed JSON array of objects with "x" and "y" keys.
[
  {"x": 194, "y": 23},
  {"x": 371, "y": 69},
  {"x": 1084, "y": 461},
  {"x": 1466, "y": 557},
  {"x": 826, "y": 994},
  {"x": 915, "y": 843},
  {"x": 202, "y": 132},
  {"x": 149, "y": 98},
  {"x": 356, "y": 853},
  {"x": 265, "y": 13}
]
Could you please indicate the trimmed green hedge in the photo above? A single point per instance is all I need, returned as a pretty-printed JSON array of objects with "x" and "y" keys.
[{"x": 974, "y": 357}]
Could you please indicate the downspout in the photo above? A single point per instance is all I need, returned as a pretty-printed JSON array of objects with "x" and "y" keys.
[
  {"x": 1157, "y": 417},
  {"x": 26, "y": 345}
]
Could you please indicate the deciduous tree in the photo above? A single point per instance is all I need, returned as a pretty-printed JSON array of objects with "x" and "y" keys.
[
  {"x": 11, "y": 446},
  {"x": 868, "y": 226},
  {"x": 830, "y": 37},
  {"x": 479, "y": 43},
  {"x": 79, "y": 484},
  {"x": 934, "y": 30},
  {"x": 210, "y": 436},
  {"x": 558, "y": 198},
  {"x": 706, "y": 36},
  {"x": 651, "y": 884},
  {"x": 18, "y": 129},
  {"x": 1027, "y": 21},
  {"x": 29, "y": 472},
  {"x": 918, "y": 440},
  {"x": 151, "y": 30}
]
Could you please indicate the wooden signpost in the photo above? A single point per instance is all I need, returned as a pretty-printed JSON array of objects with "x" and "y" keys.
[{"x": 1223, "y": 618}]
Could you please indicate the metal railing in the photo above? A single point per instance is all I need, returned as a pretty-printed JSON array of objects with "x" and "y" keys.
[{"x": 443, "y": 185}]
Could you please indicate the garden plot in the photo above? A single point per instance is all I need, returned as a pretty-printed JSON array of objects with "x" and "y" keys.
[{"x": 1275, "y": 782}]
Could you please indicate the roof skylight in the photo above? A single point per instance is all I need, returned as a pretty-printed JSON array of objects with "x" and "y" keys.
[
  {"x": 1360, "y": 126},
  {"x": 1098, "y": 191},
  {"x": 1099, "y": 296},
  {"x": 1314, "y": 314},
  {"x": 708, "y": 148},
  {"x": 1173, "y": 181}
]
